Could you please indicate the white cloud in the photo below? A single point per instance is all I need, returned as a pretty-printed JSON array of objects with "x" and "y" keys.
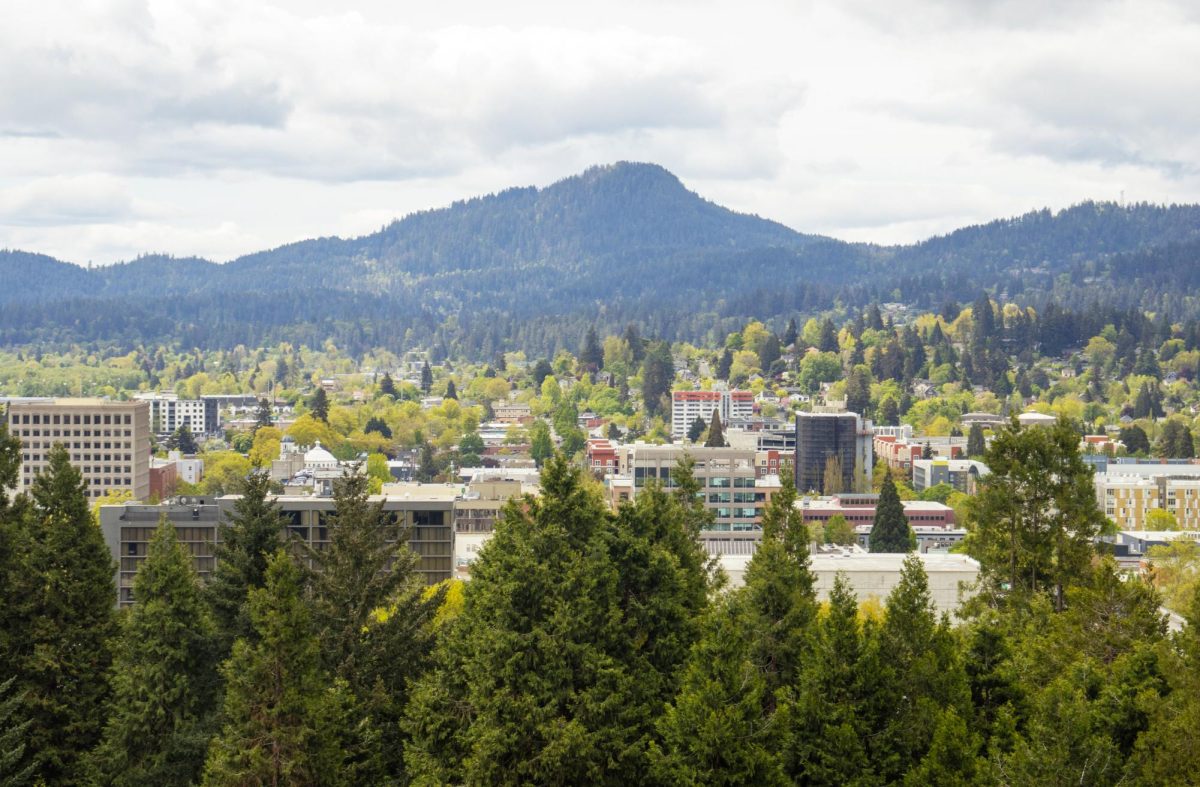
[{"x": 225, "y": 127}]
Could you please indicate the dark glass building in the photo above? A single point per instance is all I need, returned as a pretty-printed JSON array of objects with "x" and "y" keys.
[{"x": 822, "y": 436}]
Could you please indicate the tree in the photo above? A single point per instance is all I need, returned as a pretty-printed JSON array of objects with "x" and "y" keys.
[
  {"x": 62, "y": 601},
  {"x": 839, "y": 531},
  {"x": 451, "y": 390},
  {"x": 265, "y": 447},
  {"x": 12, "y": 738},
  {"x": 378, "y": 426},
  {"x": 591, "y": 355},
  {"x": 1035, "y": 517},
  {"x": 541, "y": 370},
  {"x": 858, "y": 390},
  {"x": 262, "y": 415},
  {"x": 1134, "y": 439},
  {"x": 244, "y": 543},
  {"x": 318, "y": 405},
  {"x": 427, "y": 467},
  {"x": 725, "y": 364},
  {"x": 696, "y": 429},
  {"x": 1158, "y": 519},
  {"x": 164, "y": 675},
  {"x": 279, "y": 712},
  {"x": 541, "y": 447},
  {"x": 658, "y": 372},
  {"x": 770, "y": 353},
  {"x": 889, "y": 412},
  {"x": 378, "y": 473},
  {"x": 1175, "y": 441},
  {"x": 470, "y": 449},
  {"x": 387, "y": 386},
  {"x": 891, "y": 531},
  {"x": 367, "y": 567},
  {"x": 183, "y": 441},
  {"x": 833, "y": 479},
  {"x": 827, "y": 343},
  {"x": 791, "y": 333},
  {"x": 716, "y": 437},
  {"x": 426, "y": 378},
  {"x": 976, "y": 445}
]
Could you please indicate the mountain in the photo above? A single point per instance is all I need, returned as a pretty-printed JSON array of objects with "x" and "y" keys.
[{"x": 532, "y": 268}]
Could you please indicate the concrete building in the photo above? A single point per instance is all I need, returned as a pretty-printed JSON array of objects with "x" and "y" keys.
[
  {"x": 843, "y": 436},
  {"x": 930, "y": 538},
  {"x": 108, "y": 441},
  {"x": 859, "y": 509},
  {"x": 168, "y": 413},
  {"x": 128, "y": 528},
  {"x": 687, "y": 406},
  {"x": 1036, "y": 419},
  {"x": 476, "y": 512},
  {"x": 874, "y": 576},
  {"x": 962, "y": 474}
]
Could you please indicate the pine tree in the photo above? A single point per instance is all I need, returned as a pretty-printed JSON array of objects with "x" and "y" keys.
[
  {"x": 183, "y": 441},
  {"x": 591, "y": 355},
  {"x": 451, "y": 390},
  {"x": 976, "y": 446},
  {"x": 791, "y": 333},
  {"x": 12, "y": 738},
  {"x": 828, "y": 342},
  {"x": 244, "y": 544},
  {"x": 716, "y": 437},
  {"x": 823, "y": 740},
  {"x": 426, "y": 378},
  {"x": 372, "y": 618},
  {"x": 164, "y": 675},
  {"x": 769, "y": 354},
  {"x": 387, "y": 386},
  {"x": 262, "y": 415},
  {"x": 725, "y": 364},
  {"x": 658, "y": 372},
  {"x": 427, "y": 468},
  {"x": 63, "y": 603},
  {"x": 891, "y": 531},
  {"x": 318, "y": 405},
  {"x": 696, "y": 429},
  {"x": 279, "y": 712}
]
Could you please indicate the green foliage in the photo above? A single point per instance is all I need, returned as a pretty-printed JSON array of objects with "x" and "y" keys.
[
  {"x": 658, "y": 372},
  {"x": 12, "y": 738},
  {"x": 1034, "y": 519},
  {"x": 246, "y": 541},
  {"x": 164, "y": 675},
  {"x": 696, "y": 429},
  {"x": 891, "y": 531},
  {"x": 716, "y": 437},
  {"x": 976, "y": 446},
  {"x": 280, "y": 714},
  {"x": 838, "y": 531},
  {"x": 61, "y": 621}
]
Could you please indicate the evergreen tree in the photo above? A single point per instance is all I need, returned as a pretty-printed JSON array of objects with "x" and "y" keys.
[
  {"x": 716, "y": 436},
  {"x": 244, "y": 543},
  {"x": 891, "y": 531},
  {"x": 183, "y": 441},
  {"x": 658, "y": 372},
  {"x": 279, "y": 712},
  {"x": 976, "y": 445},
  {"x": 451, "y": 390},
  {"x": 426, "y": 378},
  {"x": 1135, "y": 440},
  {"x": 541, "y": 447},
  {"x": 541, "y": 370},
  {"x": 791, "y": 333},
  {"x": 827, "y": 343},
  {"x": 427, "y": 467},
  {"x": 889, "y": 412},
  {"x": 62, "y": 603},
  {"x": 858, "y": 391},
  {"x": 591, "y": 355},
  {"x": 769, "y": 354},
  {"x": 634, "y": 340},
  {"x": 387, "y": 386},
  {"x": 318, "y": 405},
  {"x": 824, "y": 740},
  {"x": 725, "y": 364},
  {"x": 164, "y": 675},
  {"x": 366, "y": 567},
  {"x": 262, "y": 415},
  {"x": 696, "y": 429},
  {"x": 12, "y": 738},
  {"x": 378, "y": 426},
  {"x": 1035, "y": 516}
]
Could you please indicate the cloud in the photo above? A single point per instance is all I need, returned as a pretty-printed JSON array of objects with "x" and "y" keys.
[{"x": 66, "y": 200}]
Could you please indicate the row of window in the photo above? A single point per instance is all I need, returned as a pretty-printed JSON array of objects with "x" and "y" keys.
[
  {"x": 25, "y": 433},
  {"x": 108, "y": 419},
  {"x": 84, "y": 458}
]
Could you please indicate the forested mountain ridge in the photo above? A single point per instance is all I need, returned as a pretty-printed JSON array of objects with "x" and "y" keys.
[{"x": 530, "y": 268}]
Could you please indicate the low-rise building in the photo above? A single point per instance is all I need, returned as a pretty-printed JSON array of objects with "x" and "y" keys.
[
  {"x": 1128, "y": 491},
  {"x": 859, "y": 509},
  {"x": 962, "y": 474}
]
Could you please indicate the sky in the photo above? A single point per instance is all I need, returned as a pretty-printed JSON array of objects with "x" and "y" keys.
[{"x": 224, "y": 127}]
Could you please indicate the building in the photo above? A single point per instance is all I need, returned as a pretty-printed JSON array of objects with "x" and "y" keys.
[
  {"x": 822, "y": 437},
  {"x": 168, "y": 413},
  {"x": 164, "y": 476},
  {"x": 962, "y": 474},
  {"x": 859, "y": 509},
  {"x": 128, "y": 528},
  {"x": 1128, "y": 491},
  {"x": 687, "y": 406},
  {"x": 108, "y": 441},
  {"x": 600, "y": 456},
  {"x": 930, "y": 538},
  {"x": 476, "y": 511},
  {"x": 1036, "y": 419},
  {"x": 874, "y": 576}
]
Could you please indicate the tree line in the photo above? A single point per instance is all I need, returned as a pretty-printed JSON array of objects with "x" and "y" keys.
[{"x": 590, "y": 646}]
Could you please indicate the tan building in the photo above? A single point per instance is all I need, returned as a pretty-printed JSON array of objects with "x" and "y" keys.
[
  {"x": 1127, "y": 494},
  {"x": 108, "y": 441}
]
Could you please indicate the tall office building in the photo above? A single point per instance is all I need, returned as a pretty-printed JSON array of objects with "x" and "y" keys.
[
  {"x": 824, "y": 436},
  {"x": 168, "y": 412},
  {"x": 108, "y": 441}
]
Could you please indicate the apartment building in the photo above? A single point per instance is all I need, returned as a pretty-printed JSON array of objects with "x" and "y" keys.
[
  {"x": 687, "y": 406},
  {"x": 168, "y": 413},
  {"x": 1128, "y": 492},
  {"x": 842, "y": 436},
  {"x": 962, "y": 474},
  {"x": 108, "y": 441}
]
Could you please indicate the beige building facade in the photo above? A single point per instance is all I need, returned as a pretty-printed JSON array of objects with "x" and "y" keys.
[{"x": 108, "y": 441}]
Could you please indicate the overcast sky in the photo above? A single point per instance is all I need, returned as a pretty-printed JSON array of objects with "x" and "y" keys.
[{"x": 224, "y": 127}]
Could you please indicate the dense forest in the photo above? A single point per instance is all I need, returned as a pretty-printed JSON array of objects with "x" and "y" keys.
[{"x": 530, "y": 269}]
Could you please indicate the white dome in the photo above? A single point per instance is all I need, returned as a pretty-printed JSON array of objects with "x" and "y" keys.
[{"x": 319, "y": 457}]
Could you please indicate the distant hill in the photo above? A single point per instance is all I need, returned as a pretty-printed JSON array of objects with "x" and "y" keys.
[{"x": 532, "y": 268}]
